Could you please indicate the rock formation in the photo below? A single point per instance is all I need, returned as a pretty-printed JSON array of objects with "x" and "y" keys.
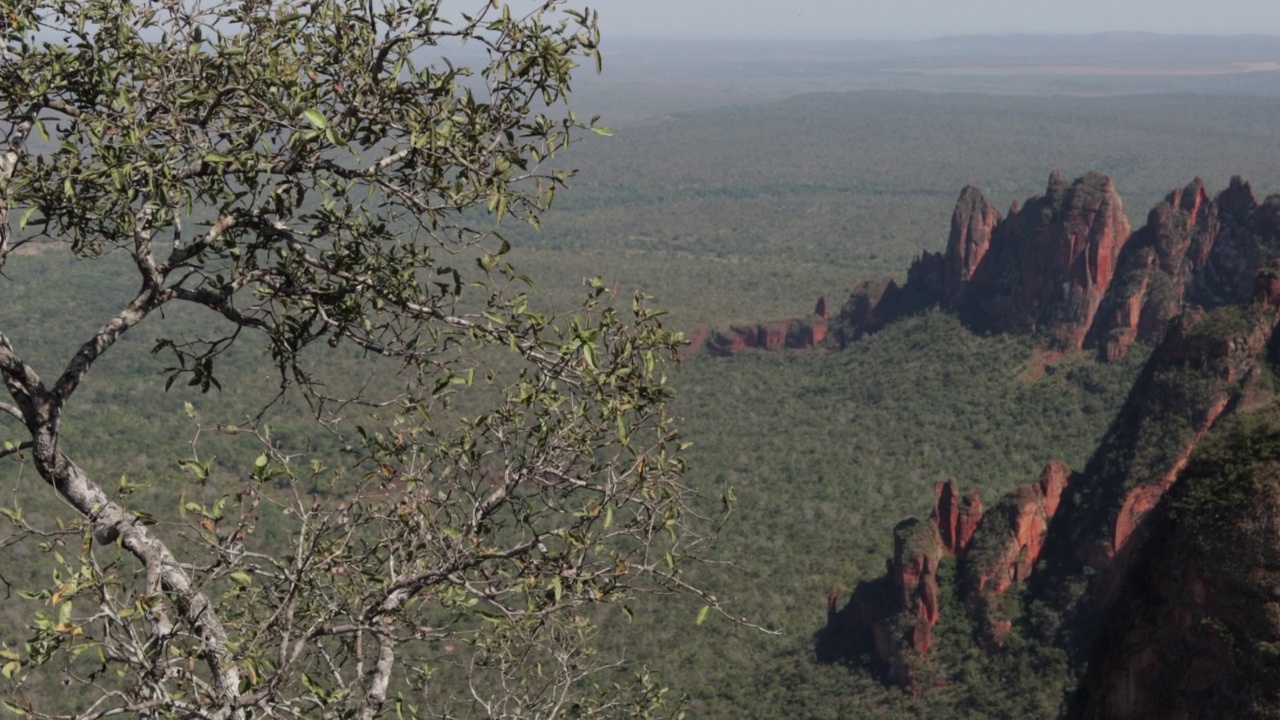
[
  {"x": 1210, "y": 365},
  {"x": 1045, "y": 268},
  {"x": 1051, "y": 262},
  {"x": 972, "y": 223},
  {"x": 1071, "y": 539},
  {"x": 1063, "y": 265},
  {"x": 955, "y": 516},
  {"x": 1194, "y": 630},
  {"x": 792, "y": 333},
  {"x": 1156, "y": 563},
  {"x": 994, "y": 549}
]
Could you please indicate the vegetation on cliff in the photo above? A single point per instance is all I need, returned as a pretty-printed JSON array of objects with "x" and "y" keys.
[{"x": 1194, "y": 631}]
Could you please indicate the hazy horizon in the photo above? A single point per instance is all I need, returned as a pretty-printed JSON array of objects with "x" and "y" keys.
[{"x": 923, "y": 19}]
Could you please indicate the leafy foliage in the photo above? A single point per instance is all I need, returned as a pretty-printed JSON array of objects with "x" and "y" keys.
[{"x": 317, "y": 176}]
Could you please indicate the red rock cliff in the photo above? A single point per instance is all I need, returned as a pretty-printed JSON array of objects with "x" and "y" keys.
[
  {"x": 956, "y": 516},
  {"x": 972, "y": 223},
  {"x": 1211, "y": 365},
  {"x": 1044, "y": 268},
  {"x": 1063, "y": 265},
  {"x": 1193, "y": 631},
  {"x": 1050, "y": 263},
  {"x": 1013, "y": 532}
]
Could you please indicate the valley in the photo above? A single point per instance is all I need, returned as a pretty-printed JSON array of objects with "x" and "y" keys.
[{"x": 1046, "y": 294}]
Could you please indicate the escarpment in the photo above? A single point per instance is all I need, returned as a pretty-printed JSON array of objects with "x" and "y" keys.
[
  {"x": 1196, "y": 625},
  {"x": 1210, "y": 365},
  {"x": 1064, "y": 266},
  {"x": 1069, "y": 542}
]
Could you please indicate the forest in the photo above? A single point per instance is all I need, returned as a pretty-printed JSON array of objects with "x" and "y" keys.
[{"x": 729, "y": 205}]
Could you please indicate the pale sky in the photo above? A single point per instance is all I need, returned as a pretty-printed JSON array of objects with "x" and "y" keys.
[{"x": 916, "y": 19}]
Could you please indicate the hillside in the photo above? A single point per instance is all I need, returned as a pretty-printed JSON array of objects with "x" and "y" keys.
[{"x": 1074, "y": 551}]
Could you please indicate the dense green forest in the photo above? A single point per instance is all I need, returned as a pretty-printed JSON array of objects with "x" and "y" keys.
[
  {"x": 740, "y": 213},
  {"x": 752, "y": 212}
]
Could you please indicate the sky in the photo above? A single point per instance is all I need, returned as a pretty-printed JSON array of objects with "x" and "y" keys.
[{"x": 917, "y": 19}]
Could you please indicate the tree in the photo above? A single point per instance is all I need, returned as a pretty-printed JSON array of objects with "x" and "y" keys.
[{"x": 318, "y": 174}]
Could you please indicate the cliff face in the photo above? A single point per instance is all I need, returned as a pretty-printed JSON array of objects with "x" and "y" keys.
[
  {"x": 1070, "y": 539},
  {"x": 1193, "y": 251},
  {"x": 1043, "y": 269},
  {"x": 1051, "y": 262},
  {"x": 956, "y": 516},
  {"x": 1210, "y": 365},
  {"x": 1018, "y": 539},
  {"x": 1196, "y": 626},
  {"x": 1065, "y": 265},
  {"x": 972, "y": 223},
  {"x": 994, "y": 550}
]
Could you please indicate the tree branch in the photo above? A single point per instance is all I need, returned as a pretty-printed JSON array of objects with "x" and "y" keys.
[
  {"x": 148, "y": 299},
  {"x": 112, "y": 523},
  {"x": 23, "y": 383},
  {"x": 24, "y": 445},
  {"x": 13, "y": 410}
]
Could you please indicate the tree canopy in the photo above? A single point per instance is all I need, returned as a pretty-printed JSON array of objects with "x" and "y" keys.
[{"x": 324, "y": 174}]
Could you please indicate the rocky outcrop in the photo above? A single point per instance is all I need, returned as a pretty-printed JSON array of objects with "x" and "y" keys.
[
  {"x": 1011, "y": 537},
  {"x": 1007, "y": 547},
  {"x": 1066, "y": 266},
  {"x": 1210, "y": 365},
  {"x": 996, "y": 548},
  {"x": 1045, "y": 268},
  {"x": 972, "y": 224},
  {"x": 792, "y": 333},
  {"x": 1063, "y": 265},
  {"x": 917, "y": 551},
  {"x": 956, "y": 516},
  {"x": 1195, "y": 627},
  {"x": 1051, "y": 262},
  {"x": 1070, "y": 539},
  {"x": 1193, "y": 252}
]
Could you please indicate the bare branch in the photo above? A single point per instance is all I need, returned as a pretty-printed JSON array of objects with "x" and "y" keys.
[
  {"x": 12, "y": 410},
  {"x": 23, "y": 383},
  {"x": 147, "y": 300}
]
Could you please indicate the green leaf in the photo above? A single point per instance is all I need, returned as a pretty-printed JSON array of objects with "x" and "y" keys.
[
  {"x": 196, "y": 468},
  {"x": 314, "y": 687},
  {"x": 241, "y": 578},
  {"x": 334, "y": 138},
  {"x": 316, "y": 118},
  {"x": 702, "y": 614},
  {"x": 602, "y": 131}
]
